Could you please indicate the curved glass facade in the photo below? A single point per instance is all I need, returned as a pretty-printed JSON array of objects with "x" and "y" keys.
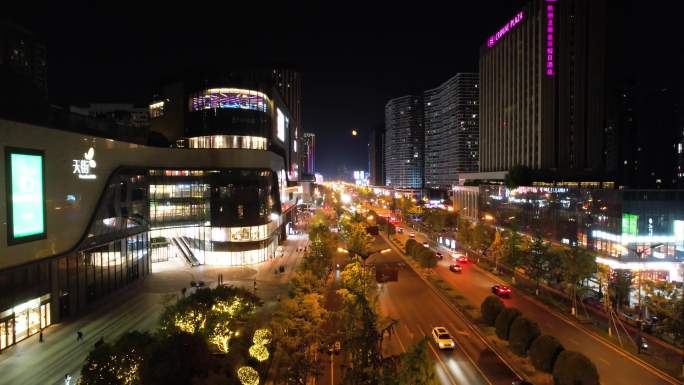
[
  {"x": 229, "y": 98},
  {"x": 229, "y": 141}
]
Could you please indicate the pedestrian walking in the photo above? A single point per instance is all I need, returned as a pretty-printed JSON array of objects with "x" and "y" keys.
[
  {"x": 67, "y": 379},
  {"x": 79, "y": 336},
  {"x": 40, "y": 336}
]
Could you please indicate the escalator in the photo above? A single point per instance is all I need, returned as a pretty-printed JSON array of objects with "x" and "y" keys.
[{"x": 184, "y": 249}]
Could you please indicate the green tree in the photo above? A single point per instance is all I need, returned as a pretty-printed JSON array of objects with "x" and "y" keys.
[
  {"x": 513, "y": 255},
  {"x": 544, "y": 352},
  {"x": 297, "y": 325},
  {"x": 358, "y": 278},
  {"x": 304, "y": 281},
  {"x": 464, "y": 236},
  {"x": 482, "y": 237},
  {"x": 619, "y": 287},
  {"x": 415, "y": 366},
  {"x": 358, "y": 241},
  {"x": 573, "y": 368},
  {"x": 497, "y": 250},
  {"x": 538, "y": 257},
  {"x": 578, "y": 265},
  {"x": 177, "y": 359},
  {"x": 664, "y": 300}
]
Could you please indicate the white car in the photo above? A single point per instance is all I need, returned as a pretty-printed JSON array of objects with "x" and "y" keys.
[
  {"x": 442, "y": 338},
  {"x": 426, "y": 244}
]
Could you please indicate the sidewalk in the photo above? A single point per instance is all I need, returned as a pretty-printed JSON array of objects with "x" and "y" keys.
[{"x": 136, "y": 307}]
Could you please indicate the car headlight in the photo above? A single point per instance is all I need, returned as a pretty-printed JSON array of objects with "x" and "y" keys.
[{"x": 441, "y": 344}]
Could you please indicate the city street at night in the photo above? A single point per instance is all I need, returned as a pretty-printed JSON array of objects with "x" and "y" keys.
[{"x": 309, "y": 193}]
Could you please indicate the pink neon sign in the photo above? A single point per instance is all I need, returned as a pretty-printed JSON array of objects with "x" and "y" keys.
[
  {"x": 507, "y": 27},
  {"x": 550, "y": 14}
]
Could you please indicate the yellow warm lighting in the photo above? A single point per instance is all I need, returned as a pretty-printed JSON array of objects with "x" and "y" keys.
[
  {"x": 386, "y": 251},
  {"x": 262, "y": 337},
  {"x": 488, "y": 217},
  {"x": 259, "y": 352},
  {"x": 450, "y": 208},
  {"x": 354, "y": 132},
  {"x": 190, "y": 322},
  {"x": 370, "y": 217},
  {"x": 341, "y": 250},
  {"x": 248, "y": 376}
]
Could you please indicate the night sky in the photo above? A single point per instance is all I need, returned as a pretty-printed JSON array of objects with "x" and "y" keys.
[{"x": 353, "y": 56}]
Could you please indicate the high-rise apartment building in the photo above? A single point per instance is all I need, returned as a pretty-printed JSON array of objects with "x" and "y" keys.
[
  {"x": 404, "y": 142},
  {"x": 24, "y": 54},
  {"x": 451, "y": 130},
  {"x": 376, "y": 156},
  {"x": 308, "y": 155},
  {"x": 543, "y": 90}
]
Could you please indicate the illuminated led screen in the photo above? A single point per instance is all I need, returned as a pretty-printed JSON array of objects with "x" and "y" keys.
[
  {"x": 281, "y": 125},
  {"x": 25, "y": 195},
  {"x": 229, "y": 98},
  {"x": 630, "y": 224}
]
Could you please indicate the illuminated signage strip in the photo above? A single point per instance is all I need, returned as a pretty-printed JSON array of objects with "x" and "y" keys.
[
  {"x": 25, "y": 195},
  {"x": 504, "y": 30},
  {"x": 550, "y": 14},
  {"x": 627, "y": 239}
]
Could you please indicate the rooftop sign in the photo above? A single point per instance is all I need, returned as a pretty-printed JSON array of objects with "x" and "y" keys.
[{"x": 504, "y": 30}]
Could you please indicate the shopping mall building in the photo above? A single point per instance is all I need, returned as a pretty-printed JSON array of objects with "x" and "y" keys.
[
  {"x": 637, "y": 230},
  {"x": 84, "y": 216}
]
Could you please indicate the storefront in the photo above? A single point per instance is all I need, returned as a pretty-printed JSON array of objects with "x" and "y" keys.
[{"x": 24, "y": 320}]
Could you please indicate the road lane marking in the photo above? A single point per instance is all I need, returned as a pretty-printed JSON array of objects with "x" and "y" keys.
[
  {"x": 444, "y": 366},
  {"x": 461, "y": 317},
  {"x": 604, "y": 361}
]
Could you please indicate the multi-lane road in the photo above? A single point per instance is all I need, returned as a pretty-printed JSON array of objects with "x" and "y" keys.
[
  {"x": 614, "y": 366},
  {"x": 418, "y": 308}
]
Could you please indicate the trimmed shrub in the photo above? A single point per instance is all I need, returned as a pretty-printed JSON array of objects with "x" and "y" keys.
[
  {"x": 410, "y": 246},
  {"x": 426, "y": 257},
  {"x": 544, "y": 352},
  {"x": 504, "y": 321},
  {"x": 574, "y": 368},
  {"x": 523, "y": 332},
  {"x": 490, "y": 309}
]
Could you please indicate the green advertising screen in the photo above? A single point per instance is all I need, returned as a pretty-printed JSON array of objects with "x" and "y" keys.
[
  {"x": 630, "y": 224},
  {"x": 26, "y": 200}
]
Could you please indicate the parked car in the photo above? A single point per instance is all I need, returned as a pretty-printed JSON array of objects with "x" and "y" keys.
[
  {"x": 439, "y": 256},
  {"x": 455, "y": 268},
  {"x": 412, "y": 234},
  {"x": 442, "y": 338},
  {"x": 501, "y": 290},
  {"x": 426, "y": 244}
]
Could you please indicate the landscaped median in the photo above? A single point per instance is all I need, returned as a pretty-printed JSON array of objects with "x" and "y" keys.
[{"x": 472, "y": 313}]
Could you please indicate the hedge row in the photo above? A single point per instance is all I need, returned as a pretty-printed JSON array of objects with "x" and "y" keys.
[
  {"x": 424, "y": 255},
  {"x": 546, "y": 352}
]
